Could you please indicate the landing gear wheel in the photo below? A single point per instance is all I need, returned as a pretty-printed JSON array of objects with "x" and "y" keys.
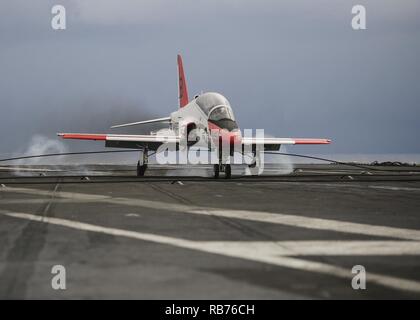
[
  {"x": 228, "y": 171},
  {"x": 216, "y": 171},
  {"x": 141, "y": 169}
]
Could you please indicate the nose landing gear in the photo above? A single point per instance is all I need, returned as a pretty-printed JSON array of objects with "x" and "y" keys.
[
  {"x": 226, "y": 168},
  {"x": 222, "y": 166}
]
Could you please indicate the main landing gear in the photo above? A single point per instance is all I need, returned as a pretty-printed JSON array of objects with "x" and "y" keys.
[{"x": 142, "y": 163}]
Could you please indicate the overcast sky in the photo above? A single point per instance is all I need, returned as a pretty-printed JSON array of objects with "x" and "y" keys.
[{"x": 295, "y": 68}]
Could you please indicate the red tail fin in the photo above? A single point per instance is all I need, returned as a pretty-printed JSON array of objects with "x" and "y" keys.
[{"x": 183, "y": 92}]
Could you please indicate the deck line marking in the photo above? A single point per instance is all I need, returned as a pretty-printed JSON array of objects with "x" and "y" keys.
[
  {"x": 258, "y": 216},
  {"x": 316, "y": 223},
  {"x": 229, "y": 251},
  {"x": 395, "y": 188},
  {"x": 348, "y": 184},
  {"x": 323, "y": 247},
  {"x": 27, "y": 169}
]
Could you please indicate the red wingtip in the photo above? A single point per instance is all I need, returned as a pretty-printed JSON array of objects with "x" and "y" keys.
[
  {"x": 83, "y": 136},
  {"x": 312, "y": 141},
  {"x": 182, "y": 82}
]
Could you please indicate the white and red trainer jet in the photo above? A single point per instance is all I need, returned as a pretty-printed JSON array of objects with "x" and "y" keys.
[{"x": 207, "y": 120}]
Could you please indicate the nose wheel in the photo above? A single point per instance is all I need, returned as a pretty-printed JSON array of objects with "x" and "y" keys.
[
  {"x": 222, "y": 167},
  {"x": 226, "y": 168}
]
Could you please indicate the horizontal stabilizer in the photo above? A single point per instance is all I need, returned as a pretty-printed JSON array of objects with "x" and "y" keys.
[{"x": 166, "y": 119}]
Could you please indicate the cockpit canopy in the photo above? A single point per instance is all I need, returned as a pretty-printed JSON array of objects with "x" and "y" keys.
[
  {"x": 218, "y": 110},
  {"x": 221, "y": 112},
  {"x": 209, "y": 100}
]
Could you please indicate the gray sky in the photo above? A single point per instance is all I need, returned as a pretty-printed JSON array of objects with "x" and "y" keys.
[{"x": 295, "y": 68}]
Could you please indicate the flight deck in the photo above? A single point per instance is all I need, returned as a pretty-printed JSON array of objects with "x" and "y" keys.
[{"x": 178, "y": 233}]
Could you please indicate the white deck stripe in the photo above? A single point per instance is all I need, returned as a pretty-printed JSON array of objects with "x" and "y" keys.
[
  {"x": 315, "y": 223},
  {"x": 322, "y": 247},
  {"x": 28, "y": 169},
  {"x": 259, "y": 216},
  {"x": 395, "y": 188},
  {"x": 246, "y": 252},
  {"x": 348, "y": 185}
]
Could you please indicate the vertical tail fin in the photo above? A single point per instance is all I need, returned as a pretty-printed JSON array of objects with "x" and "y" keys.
[{"x": 182, "y": 82}]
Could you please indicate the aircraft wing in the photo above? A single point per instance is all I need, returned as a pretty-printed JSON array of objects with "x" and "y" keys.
[
  {"x": 273, "y": 144},
  {"x": 132, "y": 141}
]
